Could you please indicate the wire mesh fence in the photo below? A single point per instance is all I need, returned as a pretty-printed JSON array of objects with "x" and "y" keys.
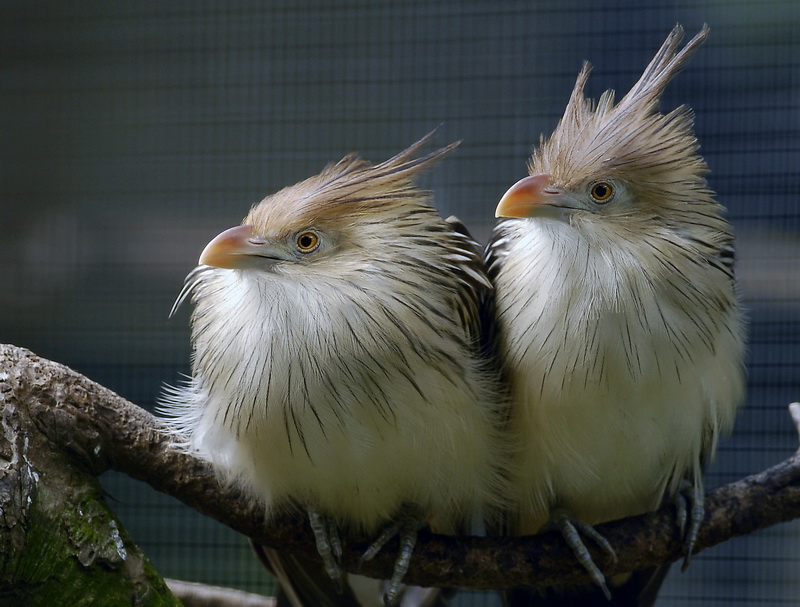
[{"x": 134, "y": 132}]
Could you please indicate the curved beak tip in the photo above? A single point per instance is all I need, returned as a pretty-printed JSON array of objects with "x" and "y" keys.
[
  {"x": 225, "y": 248},
  {"x": 522, "y": 198}
]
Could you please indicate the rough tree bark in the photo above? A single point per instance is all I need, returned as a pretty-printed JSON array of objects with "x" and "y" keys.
[
  {"x": 59, "y": 541},
  {"x": 60, "y": 431}
]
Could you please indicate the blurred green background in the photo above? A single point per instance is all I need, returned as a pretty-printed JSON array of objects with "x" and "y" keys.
[{"x": 132, "y": 133}]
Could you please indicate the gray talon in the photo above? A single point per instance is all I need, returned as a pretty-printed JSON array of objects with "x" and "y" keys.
[
  {"x": 408, "y": 538},
  {"x": 328, "y": 547},
  {"x": 406, "y": 527},
  {"x": 375, "y": 547},
  {"x": 693, "y": 496},
  {"x": 571, "y": 531}
]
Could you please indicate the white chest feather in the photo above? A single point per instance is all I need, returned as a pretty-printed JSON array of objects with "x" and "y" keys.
[
  {"x": 339, "y": 399},
  {"x": 624, "y": 370}
]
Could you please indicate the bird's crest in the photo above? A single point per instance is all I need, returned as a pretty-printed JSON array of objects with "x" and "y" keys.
[
  {"x": 347, "y": 187},
  {"x": 631, "y": 135}
]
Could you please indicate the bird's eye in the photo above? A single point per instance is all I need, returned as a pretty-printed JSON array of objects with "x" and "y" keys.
[
  {"x": 602, "y": 192},
  {"x": 307, "y": 241}
]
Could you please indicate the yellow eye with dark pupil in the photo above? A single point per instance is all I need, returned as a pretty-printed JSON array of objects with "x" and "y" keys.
[
  {"x": 602, "y": 191},
  {"x": 307, "y": 242}
]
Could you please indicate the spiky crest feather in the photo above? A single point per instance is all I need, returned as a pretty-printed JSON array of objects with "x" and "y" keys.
[
  {"x": 349, "y": 187},
  {"x": 603, "y": 139}
]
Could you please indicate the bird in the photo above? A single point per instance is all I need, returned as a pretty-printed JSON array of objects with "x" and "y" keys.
[
  {"x": 337, "y": 365},
  {"x": 618, "y": 318}
]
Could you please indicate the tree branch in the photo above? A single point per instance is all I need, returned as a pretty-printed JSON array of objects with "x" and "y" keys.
[{"x": 101, "y": 430}]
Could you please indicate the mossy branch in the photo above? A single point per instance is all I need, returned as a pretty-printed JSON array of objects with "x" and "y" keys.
[{"x": 86, "y": 427}]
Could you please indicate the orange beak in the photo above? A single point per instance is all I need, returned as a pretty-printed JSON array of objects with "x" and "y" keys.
[
  {"x": 231, "y": 248},
  {"x": 527, "y": 195}
]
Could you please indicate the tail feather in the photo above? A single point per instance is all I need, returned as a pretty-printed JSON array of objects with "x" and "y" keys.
[{"x": 304, "y": 583}]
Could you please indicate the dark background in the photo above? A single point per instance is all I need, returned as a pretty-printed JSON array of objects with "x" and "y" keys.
[{"x": 131, "y": 133}]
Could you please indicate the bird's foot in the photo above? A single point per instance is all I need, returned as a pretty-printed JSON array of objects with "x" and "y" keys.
[
  {"x": 406, "y": 528},
  {"x": 329, "y": 546},
  {"x": 375, "y": 547},
  {"x": 690, "y": 504},
  {"x": 571, "y": 530}
]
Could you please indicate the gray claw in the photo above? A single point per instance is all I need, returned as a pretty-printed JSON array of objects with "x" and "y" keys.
[
  {"x": 408, "y": 538},
  {"x": 335, "y": 540},
  {"x": 407, "y": 528},
  {"x": 682, "y": 511},
  {"x": 375, "y": 547},
  {"x": 328, "y": 546},
  {"x": 571, "y": 531},
  {"x": 690, "y": 503}
]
